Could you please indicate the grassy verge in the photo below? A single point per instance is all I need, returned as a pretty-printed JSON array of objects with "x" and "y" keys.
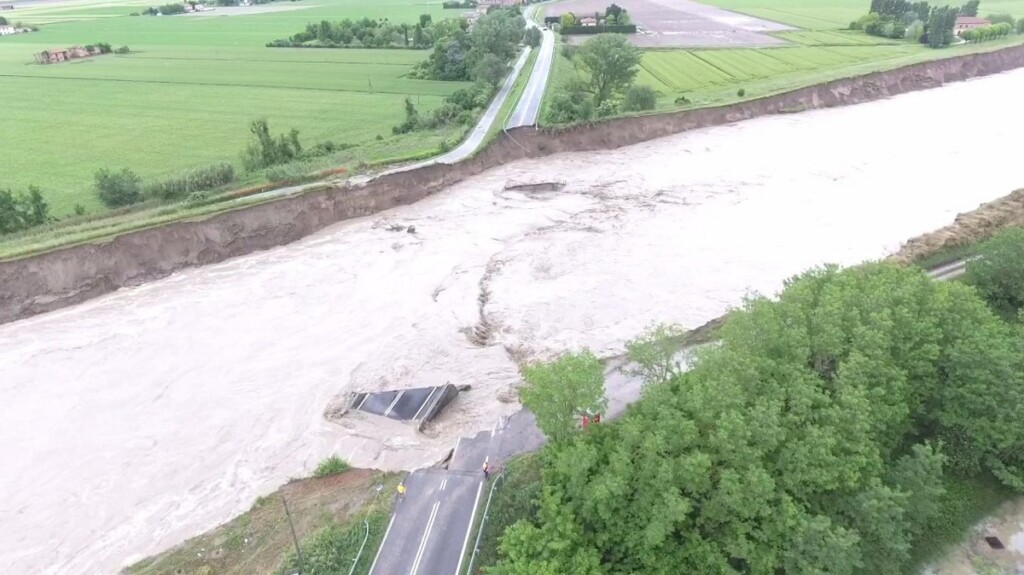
[
  {"x": 103, "y": 226},
  {"x": 328, "y": 515},
  {"x": 514, "y": 500},
  {"x": 510, "y": 103}
]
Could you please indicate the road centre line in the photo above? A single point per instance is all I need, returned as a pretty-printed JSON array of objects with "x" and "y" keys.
[{"x": 426, "y": 536}]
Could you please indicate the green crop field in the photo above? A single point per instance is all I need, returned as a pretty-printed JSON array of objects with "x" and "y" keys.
[
  {"x": 821, "y": 50},
  {"x": 835, "y": 14},
  {"x": 186, "y": 93}
]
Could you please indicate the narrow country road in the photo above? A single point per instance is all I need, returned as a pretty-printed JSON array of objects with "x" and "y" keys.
[{"x": 527, "y": 111}]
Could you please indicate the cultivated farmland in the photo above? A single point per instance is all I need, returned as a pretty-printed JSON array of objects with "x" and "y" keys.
[
  {"x": 186, "y": 93},
  {"x": 834, "y": 14}
]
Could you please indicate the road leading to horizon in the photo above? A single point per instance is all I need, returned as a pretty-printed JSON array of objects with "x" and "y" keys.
[
  {"x": 527, "y": 111},
  {"x": 475, "y": 138}
]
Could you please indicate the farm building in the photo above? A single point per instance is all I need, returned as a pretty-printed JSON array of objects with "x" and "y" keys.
[
  {"x": 6, "y": 30},
  {"x": 65, "y": 54},
  {"x": 969, "y": 23},
  {"x": 588, "y": 21}
]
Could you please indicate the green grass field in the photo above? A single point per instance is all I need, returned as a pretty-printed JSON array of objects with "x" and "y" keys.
[
  {"x": 834, "y": 14},
  {"x": 185, "y": 95}
]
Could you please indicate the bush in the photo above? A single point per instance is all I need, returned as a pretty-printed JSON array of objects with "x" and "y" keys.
[
  {"x": 606, "y": 109},
  {"x": 290, "y": 172},
  {"x": 1020, "y": 26},
  {"x": 268, "y": 151},
  {"x": 741, "y": 92},
  {"x": 998, "y": 274},
  {"x": 22, "y": 211},
  {"x": 122, "y": 50},
  {"x": 864, "y": 21},
  {"x": 333, "y": 465},
  {"x": 198, "y": 197},
  {"x": 104, "y": 47},
  {"x": 193, "y": 180},
  {"x": 1001, "y": 18},
  {"x": 682, "y": 100},
  {"x": 640, "y": 98},
  {"x": 118, "y": 189},
  {"x": 532, "y": 37},
  {"x": 79, "y": 210},
  {"x": 570, "y": 107}
]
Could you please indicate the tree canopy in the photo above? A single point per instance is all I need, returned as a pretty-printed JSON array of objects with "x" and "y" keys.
[
  {"x": 558, "y": 392},
  {"x": 611, "y": 64},
  {"x": 813, "y": 439},
  {"x": 998, "y": 272}
]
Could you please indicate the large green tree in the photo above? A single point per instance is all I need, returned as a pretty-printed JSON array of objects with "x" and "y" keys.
[
  {"x": 558, "y": 392},
  {"x": 998, "y": 274},
  {"x": 813, "y": 439},
  {"x": 611, "y": 64}
]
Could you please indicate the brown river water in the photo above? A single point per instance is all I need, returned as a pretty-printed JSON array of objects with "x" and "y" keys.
[{"x": 134, "y": 421}]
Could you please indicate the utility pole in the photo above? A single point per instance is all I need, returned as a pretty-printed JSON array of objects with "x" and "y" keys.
[{"x": 298, "y": 553}]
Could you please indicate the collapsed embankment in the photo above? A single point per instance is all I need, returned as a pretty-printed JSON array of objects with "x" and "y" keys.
[{"x": 70, "y": 275}]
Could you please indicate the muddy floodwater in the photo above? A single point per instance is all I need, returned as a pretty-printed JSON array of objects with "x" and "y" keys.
[{"x": 136, "y": 420}]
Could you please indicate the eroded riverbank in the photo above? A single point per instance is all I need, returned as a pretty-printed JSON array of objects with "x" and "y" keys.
[
  {"x": 143, "y": 417},
  {"x": 63, "y": 277}
]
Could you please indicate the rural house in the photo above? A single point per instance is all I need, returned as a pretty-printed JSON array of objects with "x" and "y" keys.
[
  {"x": 969, "y": 23},
  {"x": 65, "y": 54},
  {"x": 6, "y": 30},
  {"x": 588, "y": 21}
]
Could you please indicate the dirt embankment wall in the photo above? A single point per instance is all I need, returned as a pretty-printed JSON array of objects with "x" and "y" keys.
[{"x": 71, "y": 275}]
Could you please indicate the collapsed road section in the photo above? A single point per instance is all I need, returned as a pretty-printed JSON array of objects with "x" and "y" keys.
[{"x": 417, "y": 405}]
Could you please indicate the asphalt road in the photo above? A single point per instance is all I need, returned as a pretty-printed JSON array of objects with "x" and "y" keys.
[
  {"x": 476, "y": 137},
  {"x": 527, "y": 111},
  {"x": 431, "y": 528}
]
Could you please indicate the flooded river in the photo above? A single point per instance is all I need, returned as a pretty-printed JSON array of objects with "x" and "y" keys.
[{"x": 136, "y": 420}]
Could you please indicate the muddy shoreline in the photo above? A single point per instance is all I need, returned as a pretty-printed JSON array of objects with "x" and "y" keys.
[{"x": 67, "y": 276}]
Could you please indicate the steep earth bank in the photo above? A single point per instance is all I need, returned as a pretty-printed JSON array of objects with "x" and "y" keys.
[{"x": 71, "y": 275}]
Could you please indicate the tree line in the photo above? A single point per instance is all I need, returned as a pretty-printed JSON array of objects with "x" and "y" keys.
[
  {"x": 368, "y": 33},
  {"x": 461, "y": 54},
  {"x": 921, "y": 22},
  {"x": 818, "y": 437}
]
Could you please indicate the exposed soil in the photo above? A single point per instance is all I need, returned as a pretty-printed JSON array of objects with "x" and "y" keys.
[
  {"x": 258, "y": 541},
  {"x": 71, "y": 275},
  {"x": 966, "y": 229}
]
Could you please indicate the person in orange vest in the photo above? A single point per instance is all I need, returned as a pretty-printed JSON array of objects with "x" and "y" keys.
[{"x": 586, "y": 421}]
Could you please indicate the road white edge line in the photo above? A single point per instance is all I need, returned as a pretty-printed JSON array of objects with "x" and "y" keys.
[
  {"x": 469, "y": 530},
  {"x": 381, "y": 548}
]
